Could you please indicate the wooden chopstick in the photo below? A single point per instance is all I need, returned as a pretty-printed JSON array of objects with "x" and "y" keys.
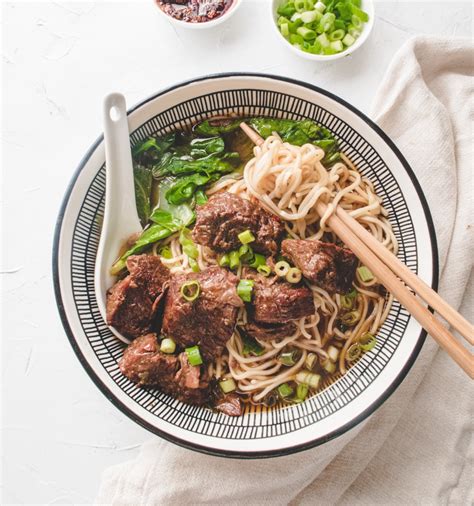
[
  {"x": 342, "y": 224},
  {"x": 456, "y": 320}
]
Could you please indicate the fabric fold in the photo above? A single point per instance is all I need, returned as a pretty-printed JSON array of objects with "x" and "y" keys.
[{"x": 414, "y": 449}]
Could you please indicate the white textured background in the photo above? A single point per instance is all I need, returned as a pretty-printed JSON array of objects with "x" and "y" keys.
[{"x": 59, "y": 59}]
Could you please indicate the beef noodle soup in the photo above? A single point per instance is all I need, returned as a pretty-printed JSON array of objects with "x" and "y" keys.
[{"x": 237, "y": 291}]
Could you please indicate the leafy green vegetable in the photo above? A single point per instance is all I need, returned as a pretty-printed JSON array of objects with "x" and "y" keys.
[
  {"x": 180, "y": 166},
  {"x": 185, "y": 187},
  {"x": 217, "y": 126},
  {"x": 200, "y": 197},
  {"x": 143, "y": 184},
  {"x": 200, "y": 148},
  {"x": 299, "y": 133},
  {"x": 152, "y": 149}
]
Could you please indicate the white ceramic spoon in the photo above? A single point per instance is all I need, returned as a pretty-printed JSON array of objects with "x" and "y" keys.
[{"x": 120, "y": 214}]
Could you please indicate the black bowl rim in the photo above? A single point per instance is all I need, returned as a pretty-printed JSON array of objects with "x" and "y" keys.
[{"x": 204, "y": 449}]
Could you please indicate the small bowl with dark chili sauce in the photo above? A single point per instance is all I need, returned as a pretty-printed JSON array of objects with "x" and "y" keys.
[{"x": 197, "y": 13}]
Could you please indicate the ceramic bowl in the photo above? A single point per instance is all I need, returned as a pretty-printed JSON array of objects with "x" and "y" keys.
[
  {"x": 259, "y": 432},
  {"x": 201, "y": 26},
  {"x": 367, "y": 6}
]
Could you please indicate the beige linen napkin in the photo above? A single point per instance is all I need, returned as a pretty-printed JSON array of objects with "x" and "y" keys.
[{"x": 415, "y": 448}]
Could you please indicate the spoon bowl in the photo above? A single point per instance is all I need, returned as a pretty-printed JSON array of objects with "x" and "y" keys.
[{"x": 120, "y": 213}]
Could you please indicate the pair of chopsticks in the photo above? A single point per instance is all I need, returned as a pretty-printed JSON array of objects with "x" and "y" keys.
[{"x": 390, "y": 271}]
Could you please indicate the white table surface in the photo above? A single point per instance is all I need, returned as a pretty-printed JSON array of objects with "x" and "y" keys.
[{"x": 59, "y": 60}]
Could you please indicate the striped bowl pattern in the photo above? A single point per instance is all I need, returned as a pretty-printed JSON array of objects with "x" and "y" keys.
[{"x": 260, "y": 432}]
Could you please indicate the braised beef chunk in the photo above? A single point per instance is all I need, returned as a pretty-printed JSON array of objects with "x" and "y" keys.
[
  {"x": 207, "y": 321},
  {"x": 277, "y": 301},
  {"x": 269, "y": 331},
  {"x": 133, "y": 302},
  {"x": 230, "y": 405},
  {"x": 324, "y": 264},
  {"x": 144, "y": 364},
  {"x": 225, "y": 216}
]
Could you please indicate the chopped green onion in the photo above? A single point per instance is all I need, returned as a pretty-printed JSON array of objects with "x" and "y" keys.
[
  {"x": 228, "y": 385},
  {"x": 310, "y": 16},
  {"x": 296, "y": 17},
  {"x": 251, "y": 347},
  {"x": 281, "y": 268},
  {"x": 302, "y": 391},
  {"x": 306, "y": 33},
  {"x": 337, "y": 35},
  {"x": 350, "y": 318},
  {"x": 285, "y": 29},
  {"x": 365, "y": 274},
  {"x": 296, "y": 39},
  {"x": 189, "y": 248},
  {"x": 246, "y": 237},
  {"x": 193, "y": 264},
  {"x": 353, "y": 353},
  {"x": 284, "y": 390},
  {"x": 190, "y": 290},
  {"x": 245, "y": 253},
  {"x": 323, "y": 40},
  {"x": 224, "y": 260},
  {"x": 244, "y": 289},
  {"x": 353, "y": 32},
  {"x": 327, "y": 21},
  {"x": 329, "y": 366},
  {"x": 356, "y": 21},
  {"x": 303, "y": 5},
  {"x": 293, "y": 275},
  {"x": 288, "y": 358},
  {"x": 346, "y": 302},
  {"x": 264, "y": 270},
  {"x": 201, "y": 198},
  {"x": 308, "y": 378},
  {"x": 234, "y": 259},
  {"x": 165, "y": 252},
  {"x": 348, "y": 40},
  {"x": 320, "y": 6},
  {"x": 359, "y": 14},
  {"x": 367, "y": 341},
  {"x": 339, "y": 25},
  {"x": 311, "y": 361},
  {"x": 168, "y": 345},
  {"x": 333, "y": 353},
  {"x": 194, "y": 355},
  {"x": 337, "y": 46},
  {"x": 258, "y": 260}
]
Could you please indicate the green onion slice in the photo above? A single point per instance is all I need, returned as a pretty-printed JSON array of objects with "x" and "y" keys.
[
  {"x": 308, "y": 378},
  {"x": 311, "y": 361},
  {"x": 234, "y": 259},
  {"x": 224, "y": 260},
  {"x": 244, "y": 289},
  {"x": 365, "y": 274},
  {"x": 264, "y": 270},
  {"x": 168, "y": 345},
  {"x": 346, "y": 302},
  {"x": 281, "y": 268},
  {"x": 288, "y": 358},
  {"x": 258, "y": 260},
  {"x": 285, "y": 390},
  {"x": 228, "y": 385},
  {"x": 194, "y": 355},
  {"x": 302, "y": 391},
  {"x": 354, "y": 352},
  {"x": 350, "y": 318},
  {"x": 367, "y": 341},
  {"x": 293, "y": 275},
  {"x": 165, "y": 252},
  {"x": 246, "y": 237},
  {"x": 190, "y": 290}
]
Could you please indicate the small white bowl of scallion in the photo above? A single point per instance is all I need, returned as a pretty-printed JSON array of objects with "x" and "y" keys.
[{"x": 322, "y": 30}]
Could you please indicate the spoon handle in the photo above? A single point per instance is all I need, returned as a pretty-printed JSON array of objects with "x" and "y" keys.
[{"x": 120, "y": 206}]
